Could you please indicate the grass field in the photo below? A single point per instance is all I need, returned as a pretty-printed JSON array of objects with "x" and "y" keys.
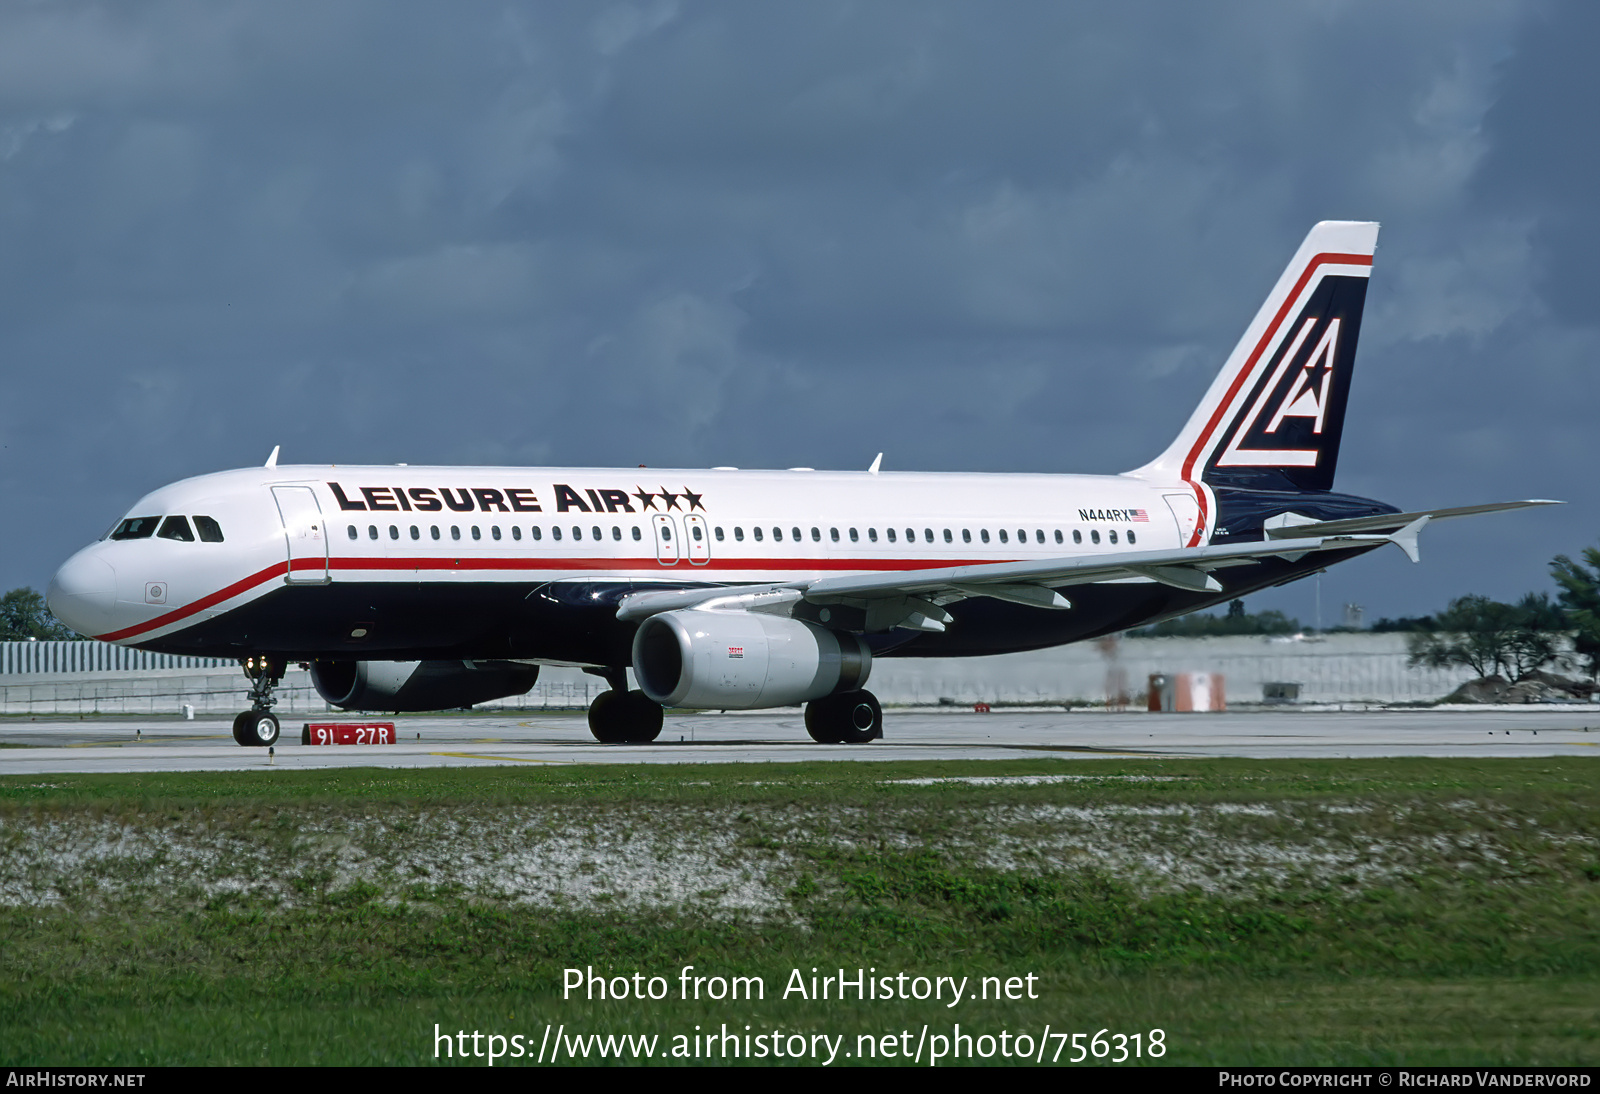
[{"x": 1256, "y": 912}]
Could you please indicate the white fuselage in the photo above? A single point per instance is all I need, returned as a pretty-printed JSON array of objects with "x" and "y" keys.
[{"x": 446, "y": 525}]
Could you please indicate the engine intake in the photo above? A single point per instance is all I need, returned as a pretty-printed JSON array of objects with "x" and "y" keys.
[
  {"x": 743, "y": 660},
  {"x": 408, "y": 686}
]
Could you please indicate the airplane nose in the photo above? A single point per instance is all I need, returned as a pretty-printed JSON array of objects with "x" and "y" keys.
[{"x": 83, "y": 594}]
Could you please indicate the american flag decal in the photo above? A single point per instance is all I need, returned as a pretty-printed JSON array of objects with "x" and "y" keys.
[{"x": 1139, "y": 516}]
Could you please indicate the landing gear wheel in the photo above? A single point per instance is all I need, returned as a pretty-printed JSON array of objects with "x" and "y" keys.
[
  {"x": 851, "y": 718},
  {"x": 628, "y": 717},
  {"x": 256, "y": 729},
  {"x": 863, "y": 717}
]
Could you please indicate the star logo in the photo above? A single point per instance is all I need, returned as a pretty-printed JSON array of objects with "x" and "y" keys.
[
  {"x": 694, "y": 500},
  {"x": 646, "y": 500},
  {"x": 670, "y": 499}
]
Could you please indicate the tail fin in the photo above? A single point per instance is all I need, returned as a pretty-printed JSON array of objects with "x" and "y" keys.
[{"x": 1272, "y": 418}]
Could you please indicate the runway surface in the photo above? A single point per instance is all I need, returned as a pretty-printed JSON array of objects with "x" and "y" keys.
[{"x": 64, "y": 745}]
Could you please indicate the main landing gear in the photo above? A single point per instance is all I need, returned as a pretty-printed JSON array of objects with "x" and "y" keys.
[
  {"x": 258, "y": 726},
  {"x": 849, "y": 718},
  {"x": 620, "y": 716}
]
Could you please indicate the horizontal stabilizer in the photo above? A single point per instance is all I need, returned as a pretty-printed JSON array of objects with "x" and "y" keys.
[{"x": 1295, "y": 526}]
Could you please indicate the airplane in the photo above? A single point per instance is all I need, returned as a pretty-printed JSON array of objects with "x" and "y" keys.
[{"x": 426, "y": 588}]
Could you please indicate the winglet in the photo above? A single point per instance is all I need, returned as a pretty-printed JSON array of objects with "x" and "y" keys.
[
  {"x": 272, "y": 460},
  {"x": 1406, "y": 538},
  {"x": 877, "y": 463}
]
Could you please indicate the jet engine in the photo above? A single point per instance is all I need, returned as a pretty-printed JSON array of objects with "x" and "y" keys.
[
  {"x": 419, "y": 685},
  {"x": 743, "y": 660}
]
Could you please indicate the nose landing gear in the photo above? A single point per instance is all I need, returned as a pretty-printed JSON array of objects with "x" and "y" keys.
[{"x": 258, "y": 726}]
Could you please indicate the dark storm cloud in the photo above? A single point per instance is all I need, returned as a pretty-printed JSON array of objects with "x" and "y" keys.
[{"x": 997, "y": 238}]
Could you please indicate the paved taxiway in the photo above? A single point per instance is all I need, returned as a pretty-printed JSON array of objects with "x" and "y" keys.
[{"x": 64, "y": 745}]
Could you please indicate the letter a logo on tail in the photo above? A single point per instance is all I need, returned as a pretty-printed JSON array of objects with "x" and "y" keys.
[{"x": 1273, "y": 416}]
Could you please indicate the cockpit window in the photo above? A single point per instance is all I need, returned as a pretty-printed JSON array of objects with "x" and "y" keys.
[
  {"x": 136, "y": 528},
  {"x": 210, "y": 531},
  {"x": 176, "y": 528}
]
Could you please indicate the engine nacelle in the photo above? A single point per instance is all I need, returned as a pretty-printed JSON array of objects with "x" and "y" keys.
[
  {"x": 743, "y": 660},
  {"x": 419, "y": 685}
]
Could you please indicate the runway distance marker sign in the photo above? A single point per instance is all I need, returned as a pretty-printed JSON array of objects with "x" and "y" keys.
[{"x": 347, "y": 733}]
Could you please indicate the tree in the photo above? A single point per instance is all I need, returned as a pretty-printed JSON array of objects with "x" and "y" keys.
[
  {"x": 1580, "y": 596},
  {"x": 23, "y": 615},
  {"x": 1491, "y": 638}
]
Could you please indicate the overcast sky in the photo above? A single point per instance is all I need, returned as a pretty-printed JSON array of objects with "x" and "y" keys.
[{"x": 978, "y": 236}]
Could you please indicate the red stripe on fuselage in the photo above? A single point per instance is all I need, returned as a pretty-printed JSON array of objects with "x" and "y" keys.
[
  {"x": 227, "y": 593},
  {"x": 1326, "y": 258},
  {"x": 785, "y": 565}
]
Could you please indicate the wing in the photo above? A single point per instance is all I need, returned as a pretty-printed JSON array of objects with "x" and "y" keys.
[{"x": 912, "y": 600}]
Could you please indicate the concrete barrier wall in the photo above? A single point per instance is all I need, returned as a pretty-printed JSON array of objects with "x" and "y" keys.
[
  {"x": 1333, "y": 668},
  {"x": 1329, "y": 669}
]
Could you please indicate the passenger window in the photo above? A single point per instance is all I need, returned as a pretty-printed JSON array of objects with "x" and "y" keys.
[
  {"x": 536, "y": 532},
  {"x": 176, "y": 528},
  {"x": 816, "y": 535},
  {"x": 353, "y": 533},
  {"x": 516, "y": 531},
  {"x": 948, "y": 538},
  {"x": 927, "y": 534},
  {"x": 210, "y": 531},
  {"x": 697, "y": 536},
  {"x": 555, "y": 531},
  {"x": 136, "y": 528},
  {"x": 872, "y": 534},
  {"x": 494, "y": 531},
  {"x": 1113, "y": 535},
  {"x": 394, "y": 532},
  {"x": 666, "y": 533},
  {"x": 834, "y": 534},
  {"x": 854, "y": 538},
  {"x": 966, "y": 535},
  {"x": 1038, "y": 534},
  {"x": 636, "y": 533},
  {"x": 372, "y": 531},
  {"x": 1059, "y": 538},
  {"x": 984, "y": 535},
  {"x": 416, "y": 533},
  {"x": 1003, "y": 538},
  {"x": 890, "y": 533},
  {"x": 595, "y": 533},
  {"x": 794, "y": 534},
  {"x": 433, "y": 530},
  {"x": 616, "y": 532},
  {"x": 1094, "y": 536},
  {"x": 738, "y": 534},
  {"x": 1022, "y": 535},
  {"x": 455, "y": 531},
  {"x": 475, "y": 533},
  {"x": 1130, "y": 536},
  {"x": 1077, "y": 536},
  {"x": 911, "y": 535},
  {"x": 777, "y": 535},
  {"x": 719, "y": 533},
  {"x": 577, "y": 532},
  {"x": 756, "y": 531}
]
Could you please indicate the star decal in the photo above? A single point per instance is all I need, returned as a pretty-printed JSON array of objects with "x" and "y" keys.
[
  {"x": 646, "y": 501},
  {"x": 670, "y": 499},
  {"x": 694, "y": 500}
]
